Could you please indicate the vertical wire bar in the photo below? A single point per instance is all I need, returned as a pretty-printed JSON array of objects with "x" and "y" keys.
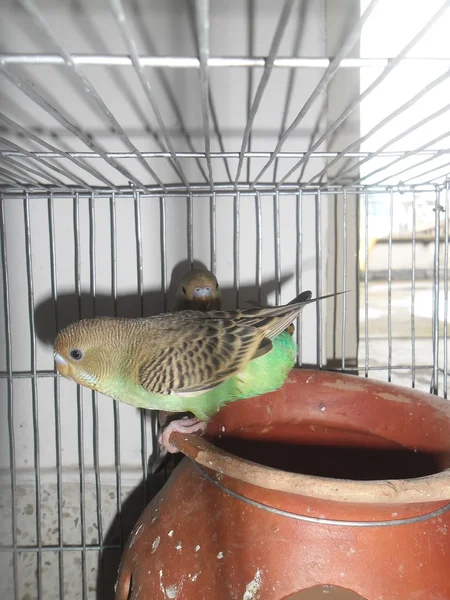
[
  {"x": 116, "y": 404},
  {"x": 413, "y": 293},
  {"x": 94, "y": 396},
  {"x": 319, "y": 276},
  {"x": 140, "y": 264},
  {"x": 59, "y": 491},
  {"x": 190, "y": 209},
  {"x": 258, "y": 245},
  {"x": 391, "y": 225},
  {"x": 237, "y": 239},
  {"x": 80, "y": 406},
  {"x": 277, "y": 247},
  {"x": 279, "y": 31},
  {"x": 162, "y": 206},
  {"x": 446, "y": 233},
  {"x": 312, "y": 138},
  {"x": 113, "y": 230},
  {"x": 251, "y": 21},
  {"x": 140, "y": 278},
  {"x": 155, "y": 421},
  {"x": 344, "y": 277},
  {"x": 299, "y": 269},
  {"x": 219, "y": 136},
  {"x": 213, "y": 229},
  {"x": 436, "y": 284},
  {"x": 11, "y": 431},
  {"x": 298, "y": 37},
  {"x": 34, "y": 389},
  {"x": 202, "y": 22},
  {"x": 366, "y": 283}
]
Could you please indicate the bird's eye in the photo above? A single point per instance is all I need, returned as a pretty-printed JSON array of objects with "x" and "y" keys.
[
  {"x": 197, "y": 290},
  {"x": 76, "y": 354},
  {"x": 183, "y": 290}
]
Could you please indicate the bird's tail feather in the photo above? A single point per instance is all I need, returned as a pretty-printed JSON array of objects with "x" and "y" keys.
[{"x": 276, "y": 318}]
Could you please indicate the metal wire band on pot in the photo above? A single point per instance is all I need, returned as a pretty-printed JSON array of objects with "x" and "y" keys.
[{"x": 290, "y": 515}]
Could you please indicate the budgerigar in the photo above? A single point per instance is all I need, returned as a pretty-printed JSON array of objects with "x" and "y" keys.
[
  {"x": 185, "y": 361},
  {"x": 198, "y": 290}
]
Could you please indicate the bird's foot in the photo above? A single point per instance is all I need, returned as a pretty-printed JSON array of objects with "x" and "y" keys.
[{"x": 184, "y": 425}]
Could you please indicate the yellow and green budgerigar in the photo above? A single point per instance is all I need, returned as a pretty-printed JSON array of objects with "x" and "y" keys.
[{"x": 186, "y": 361}]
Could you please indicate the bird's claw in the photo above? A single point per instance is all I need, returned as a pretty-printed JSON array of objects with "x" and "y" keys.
[{"x": 184, "y": 425}]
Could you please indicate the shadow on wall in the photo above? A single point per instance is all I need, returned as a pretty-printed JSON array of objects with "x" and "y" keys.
[{"x": 51, "y": 315}]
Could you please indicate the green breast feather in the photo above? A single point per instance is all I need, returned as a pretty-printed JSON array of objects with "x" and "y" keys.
[{"x": 262, "y": 375}]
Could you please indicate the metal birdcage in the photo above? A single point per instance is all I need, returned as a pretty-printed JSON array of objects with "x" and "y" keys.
[{"x": 266, "y": 141}]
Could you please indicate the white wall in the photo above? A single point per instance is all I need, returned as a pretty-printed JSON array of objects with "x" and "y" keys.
[{"x": 168, "y": 26}]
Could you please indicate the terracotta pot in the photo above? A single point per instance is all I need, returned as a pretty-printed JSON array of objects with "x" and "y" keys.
[{"x": 335, "y": 482}]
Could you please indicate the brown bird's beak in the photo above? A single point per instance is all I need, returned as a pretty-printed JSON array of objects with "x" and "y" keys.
[
  {"x": 62, "y": 365},
  {"x": 202, "y": 297}
]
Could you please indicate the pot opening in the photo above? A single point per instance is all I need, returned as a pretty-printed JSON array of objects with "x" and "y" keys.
[
  {"x": 311, "y": 449},
  {"x": 325, "y": 592}
]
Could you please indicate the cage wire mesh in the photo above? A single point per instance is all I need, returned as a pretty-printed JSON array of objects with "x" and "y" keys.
[{"x": 286, "y": 146}]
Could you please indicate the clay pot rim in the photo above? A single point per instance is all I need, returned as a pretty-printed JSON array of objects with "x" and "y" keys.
[
  {"x": 431, "y": 488},
  {"x": 421, "y": 490}
]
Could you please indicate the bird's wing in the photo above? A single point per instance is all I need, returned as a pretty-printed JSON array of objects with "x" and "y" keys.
[
  {"x": 202, "y": 354},
  {"x": 205, "y": 349}
]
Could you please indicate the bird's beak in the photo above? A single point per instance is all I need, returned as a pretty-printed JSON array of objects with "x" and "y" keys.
[
  {"x": 62, "y": 365},
  {"x": 202, "y": 296}
]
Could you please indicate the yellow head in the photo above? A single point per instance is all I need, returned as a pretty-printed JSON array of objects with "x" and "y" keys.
[
  {"x": 198, "y": 290},
  {"x": 91, "y": 349}
]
